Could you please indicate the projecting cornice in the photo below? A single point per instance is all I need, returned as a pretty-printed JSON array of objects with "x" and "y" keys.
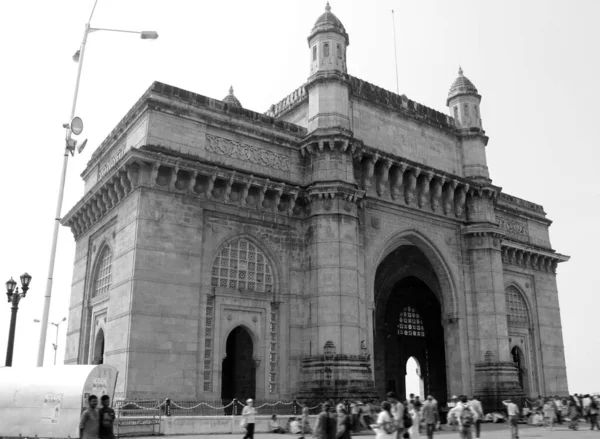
[{"x": 530, "y": 257}]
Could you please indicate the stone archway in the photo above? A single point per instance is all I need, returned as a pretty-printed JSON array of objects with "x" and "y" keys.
[
  {"x": 519, "y": 359},
  {"x": 408, "y": 323},
  {"x": 98, "y": 357},
  {"x": 239, "y": 368}
]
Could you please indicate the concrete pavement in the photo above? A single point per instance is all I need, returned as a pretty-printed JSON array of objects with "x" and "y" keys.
[{"x": 488, "y": 431}]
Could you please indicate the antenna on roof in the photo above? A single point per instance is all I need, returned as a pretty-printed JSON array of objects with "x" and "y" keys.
[{"x": 395, "y": 52}]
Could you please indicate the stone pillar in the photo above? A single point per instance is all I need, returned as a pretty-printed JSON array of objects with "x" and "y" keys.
[
  {"x": 336, "y": 366},
  {"x": 496, "y": 376}
]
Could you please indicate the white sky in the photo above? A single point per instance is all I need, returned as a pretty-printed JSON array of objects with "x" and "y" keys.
[{"x": 535, "y": 63}]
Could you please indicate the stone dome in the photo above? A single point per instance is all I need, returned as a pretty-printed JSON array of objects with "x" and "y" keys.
[
  {"x": 461, "y": 86},
  {"x": 231, "y": 99},
  {"x": 328, "y": 22}
]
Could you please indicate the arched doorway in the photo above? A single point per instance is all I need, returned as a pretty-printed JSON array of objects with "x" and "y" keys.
[
  {"x": 519, "y": 360},
  {"x": 239, "y": 370},
  {"x": 414, "y": 381},
  {"x": 99, "y": 348},
  {"x": 408, "y": 324}
]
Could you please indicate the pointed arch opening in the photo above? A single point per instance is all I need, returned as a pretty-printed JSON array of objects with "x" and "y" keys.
[
  {"x": 521, "y": 338},
  {"x": 414, "y": 379},
  {"x": 239, "y": 366},
  {"x": 98, "y": 357},
  {"x": 408, "y": 325}
]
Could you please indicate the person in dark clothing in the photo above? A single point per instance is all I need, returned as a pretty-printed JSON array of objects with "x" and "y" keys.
[
  {"x": 344, "y": 423},
  {"x": 107, "y": 419},
  {"x": 321, "y": 427}
]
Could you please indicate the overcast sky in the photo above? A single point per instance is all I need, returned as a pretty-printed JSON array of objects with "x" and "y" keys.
[{"x": 535, "y": 63}]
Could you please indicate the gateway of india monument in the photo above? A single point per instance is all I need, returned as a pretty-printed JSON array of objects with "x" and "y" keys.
[{"x": 310, "y": 251}]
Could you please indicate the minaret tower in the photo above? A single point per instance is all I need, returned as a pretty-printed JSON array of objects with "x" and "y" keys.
[
  {"x": 463, "y": 102},
  {"x": 327, "y": 87},
  {"x": 335, "y": 361}
]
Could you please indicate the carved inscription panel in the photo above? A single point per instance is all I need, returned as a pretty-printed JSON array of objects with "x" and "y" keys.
[
  {"x": 513, "y": 227},
  {"x": 241, "y": 151}
]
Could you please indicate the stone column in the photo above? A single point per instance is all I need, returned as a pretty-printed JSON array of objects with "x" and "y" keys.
[
  {"x": 335, "y": 367},
  {"x": 496, "y": 376}
]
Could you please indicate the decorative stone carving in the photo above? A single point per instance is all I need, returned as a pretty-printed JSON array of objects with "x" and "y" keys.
[
  {"x": 273, "y": 347},
  {"x": 111, "y": 162},
  {"x": 329, "y": 349},
  {"x": 514, "y": 227},
  {"x": 252, "y": 154},
  {"x": 210, "y": 301}
]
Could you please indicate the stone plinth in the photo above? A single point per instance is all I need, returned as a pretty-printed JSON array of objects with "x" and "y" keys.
[
  {"x": 336, "y": 377},
  {"x": 496, "y": 382}
]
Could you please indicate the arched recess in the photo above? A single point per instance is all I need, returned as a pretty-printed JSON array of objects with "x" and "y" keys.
[
  {"x": 99, "y": 343},
  {"x": 99, "y": 283},
  {"x": 239, "y": 364},
  {"x": 410, "y": 260},
  {"x": 521, "y": 339}
]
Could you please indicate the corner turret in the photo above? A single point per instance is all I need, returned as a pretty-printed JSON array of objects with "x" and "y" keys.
[{"x": 463, "y": 103}]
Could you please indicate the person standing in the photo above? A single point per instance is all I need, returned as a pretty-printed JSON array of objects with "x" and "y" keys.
[
  {"x": 305, "y": 423},
  {"x": 594, "y": 409},
  {"x": 386, "y": 427},
  {"x": 344, "y": 423},
  {"x": 478, "y": 411},
  {"x": 548, "y": 415},
  {"x": 107, "y": 419},
  {"x": 322, "y": 425},
  {"x": 513, "y": 418},
  {"x": 397, "y": 412},
  {"x": 429, "y": 416},
  {"x": 89, "y": 425},
  {"x": 249, "y": 419},
  {"x": 466, "y": 418},
  {"x": 558, "y": 405}
]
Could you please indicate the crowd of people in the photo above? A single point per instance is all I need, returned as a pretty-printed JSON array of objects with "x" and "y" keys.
[{"x": 550, "y": 411}]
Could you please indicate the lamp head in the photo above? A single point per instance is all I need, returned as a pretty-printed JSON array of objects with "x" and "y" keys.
[
  {"x": 81, "y": 146},
  {"x": 36, "y": 320},
  {"x": 25, "y": 281},
  {"x": 76, "y": 56},
  {"x": 10, "y": 286},
  {"x": 76, "y": 125},
  {"x": 148, "y": 35}
]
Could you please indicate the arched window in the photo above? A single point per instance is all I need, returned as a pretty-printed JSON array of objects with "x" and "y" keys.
[
  {"x": 314, "y": 53},
  {"x": 103, "y": 275},
  {"x": 456, "y": 112},
  {"x": 326, "y": 49},
  {"x": 411, "y": 323},
  {"x": 476, "y": 111},
  {"x": 466, "y": 109},
  {"x": 516, "y": 308},
  {"x": 242, "y": 266},
  {"x": 339, "y": 51}
]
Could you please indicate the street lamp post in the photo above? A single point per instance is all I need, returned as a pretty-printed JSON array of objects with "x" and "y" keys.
[
  {"x": 14, "y": 297},
  {"x": 55, "y": 344},
  {"x": 74, "y": 127}
]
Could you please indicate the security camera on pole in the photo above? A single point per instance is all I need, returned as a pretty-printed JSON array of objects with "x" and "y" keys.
[{"x": 74, "y": 127}]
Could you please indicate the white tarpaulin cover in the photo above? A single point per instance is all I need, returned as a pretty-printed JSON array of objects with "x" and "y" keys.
[{"x": 48, "y": 401}]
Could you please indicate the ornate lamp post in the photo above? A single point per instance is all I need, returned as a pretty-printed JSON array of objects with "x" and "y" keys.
[{"x": 14, "y": 297}]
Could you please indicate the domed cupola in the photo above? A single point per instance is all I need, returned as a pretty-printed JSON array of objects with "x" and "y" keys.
[
  {"x": 328, "y": 41},
  {"x": 461, "y": 86},
  {"x": 328, "y": 22},
  {"x": 463, "y": 102},
  {"x": 231, "y": 100}
]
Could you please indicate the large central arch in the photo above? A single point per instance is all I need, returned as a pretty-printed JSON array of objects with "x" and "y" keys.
[{"x": 412, "y": 284}]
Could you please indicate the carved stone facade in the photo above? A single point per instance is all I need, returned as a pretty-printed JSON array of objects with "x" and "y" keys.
[{"x": 275, "y": 255}]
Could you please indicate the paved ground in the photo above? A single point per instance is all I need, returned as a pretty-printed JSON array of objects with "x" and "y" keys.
[{"x": 488, "y": 431}]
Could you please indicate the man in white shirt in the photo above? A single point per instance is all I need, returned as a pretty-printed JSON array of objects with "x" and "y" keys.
[
  {"x": 397, "y": 413},
  {"x": 478, "y": 410},
  {"x": 513, "y": 417}
]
